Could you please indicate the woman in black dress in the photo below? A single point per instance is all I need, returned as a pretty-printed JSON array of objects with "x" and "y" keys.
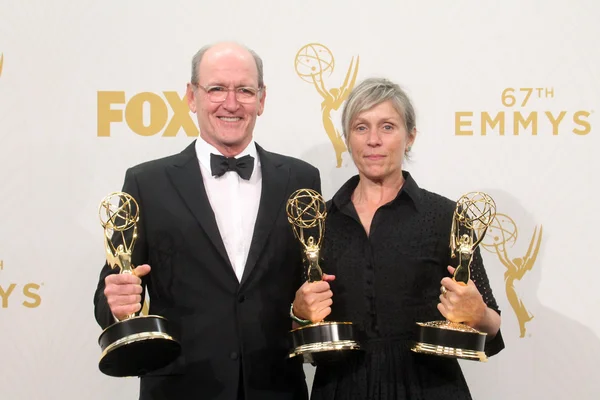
[{"x": 386, "y": 253}]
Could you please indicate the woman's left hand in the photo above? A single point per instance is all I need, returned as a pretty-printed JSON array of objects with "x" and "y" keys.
[{"x": 460, "y": 302}]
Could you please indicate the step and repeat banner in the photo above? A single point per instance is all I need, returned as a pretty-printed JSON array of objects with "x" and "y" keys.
[{"x": 506, "y": 95}]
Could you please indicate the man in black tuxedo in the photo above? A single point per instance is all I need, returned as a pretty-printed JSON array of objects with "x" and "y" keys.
[{"x": 214, "y": 233}]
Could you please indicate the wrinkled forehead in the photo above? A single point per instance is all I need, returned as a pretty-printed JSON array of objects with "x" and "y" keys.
[
  {"x": 385, "y": 110},
  {"x": 228, "y": 67}
]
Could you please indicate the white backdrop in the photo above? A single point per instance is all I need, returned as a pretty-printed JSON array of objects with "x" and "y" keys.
[{"x": 462, "y": 62}]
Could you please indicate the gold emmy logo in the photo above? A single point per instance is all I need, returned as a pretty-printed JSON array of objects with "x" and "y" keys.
[
  {"x": 1, "y": 63},
  {"x": 314, "y": 60},
  {"x": 29, "y": 291},
  {"x": 503, "y": 233}
]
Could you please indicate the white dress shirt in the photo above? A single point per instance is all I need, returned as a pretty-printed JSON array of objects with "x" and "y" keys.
[{"x": 234, "y": 202}]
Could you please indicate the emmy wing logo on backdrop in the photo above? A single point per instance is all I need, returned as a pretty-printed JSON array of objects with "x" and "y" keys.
[
  {"x": 312, "y": 62},
  {"x": 1, "y": 62},
  {"x": 502, "y": 236}
]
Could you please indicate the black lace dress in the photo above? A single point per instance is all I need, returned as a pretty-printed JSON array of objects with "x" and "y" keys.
[{"x": 385, "y": 283}]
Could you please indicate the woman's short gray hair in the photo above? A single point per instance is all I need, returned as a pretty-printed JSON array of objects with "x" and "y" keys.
[{"x": 372, "y": 92}]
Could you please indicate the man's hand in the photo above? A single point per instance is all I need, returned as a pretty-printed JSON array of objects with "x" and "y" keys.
[
  {"x": 124, "y": 291},
  {"x": 314, "y": 299}
]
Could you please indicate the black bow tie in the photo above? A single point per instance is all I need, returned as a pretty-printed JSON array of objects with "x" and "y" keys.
[{"x": 221, "y": 164}]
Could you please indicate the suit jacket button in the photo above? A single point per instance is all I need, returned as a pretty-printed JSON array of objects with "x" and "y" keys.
[
  {"x": 233, "y": 356},
  {"x": 241, "y": 299}
]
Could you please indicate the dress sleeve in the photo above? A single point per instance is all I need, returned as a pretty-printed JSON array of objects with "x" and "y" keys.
[{"x": 480, "y": 278}]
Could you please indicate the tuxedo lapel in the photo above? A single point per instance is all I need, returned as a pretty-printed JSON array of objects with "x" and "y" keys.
[
  {"x": 187, "y": 178},
  {"x": 275, "y": 177}
]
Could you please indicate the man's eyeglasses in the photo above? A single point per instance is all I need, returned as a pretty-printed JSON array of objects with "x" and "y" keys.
[{"x": 218, "y": 94}]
